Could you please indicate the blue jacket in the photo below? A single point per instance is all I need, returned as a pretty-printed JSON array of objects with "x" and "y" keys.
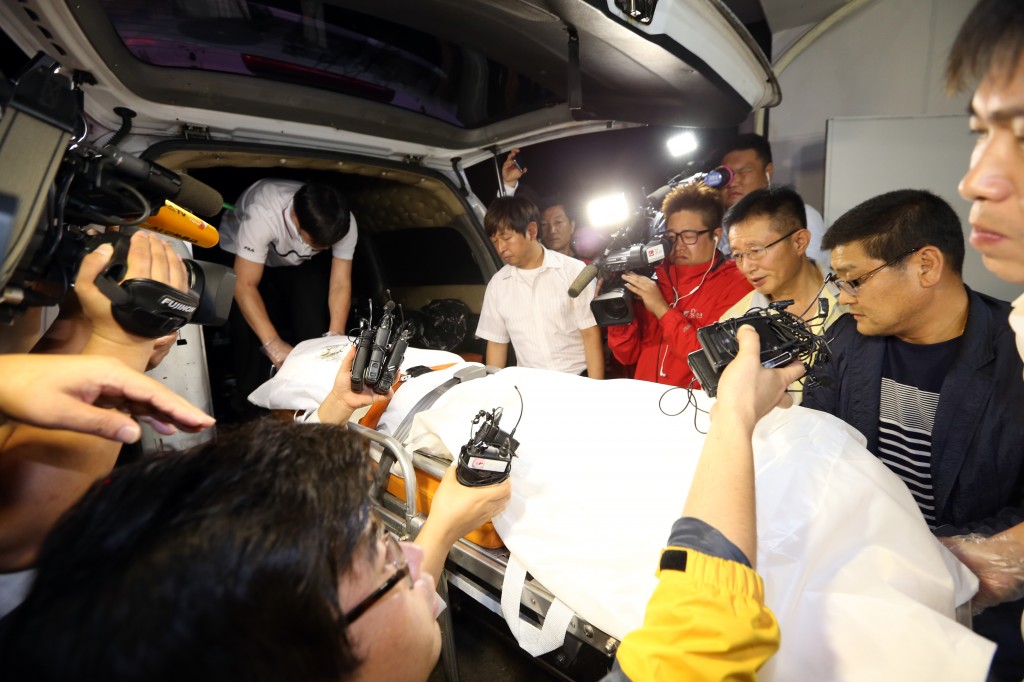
[{"x": 978, "y": 437}]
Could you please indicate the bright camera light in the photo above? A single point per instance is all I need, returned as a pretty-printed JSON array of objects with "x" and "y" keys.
[
  {"x": 608, "y": 211},
  {"x": 681, "y": 144}
]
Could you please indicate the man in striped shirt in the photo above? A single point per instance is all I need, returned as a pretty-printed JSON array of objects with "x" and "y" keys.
[{"x": 924, "y": 367}]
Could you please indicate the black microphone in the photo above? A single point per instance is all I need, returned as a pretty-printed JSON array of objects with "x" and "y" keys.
[
  {"x": 380, "y": 345},
  {"x": 199, "y": 196},
  {"x": 152, "y": 177},
  {"x": 362, "y": 358},
  {"x": 586, "y": 276},
  {"x": 718, "y": 177}
]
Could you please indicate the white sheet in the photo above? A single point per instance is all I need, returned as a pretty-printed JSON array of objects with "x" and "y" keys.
[{"x": 861, "y": 588}]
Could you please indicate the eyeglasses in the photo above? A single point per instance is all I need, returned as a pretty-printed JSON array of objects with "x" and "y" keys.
[
  {"x": 852, "y": 286},
  {"x": 393, "y": 555},
  {"x": 689, "y": 237},
  {"x": 758, "y": 252}
]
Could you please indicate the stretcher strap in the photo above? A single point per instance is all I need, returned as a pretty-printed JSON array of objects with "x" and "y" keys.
[
  {"x": 534, "y": 641},
  {"x": 402, "y": 432}
]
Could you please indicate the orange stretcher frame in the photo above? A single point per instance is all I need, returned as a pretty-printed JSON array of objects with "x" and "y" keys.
[{"x": 426, "y": 485}]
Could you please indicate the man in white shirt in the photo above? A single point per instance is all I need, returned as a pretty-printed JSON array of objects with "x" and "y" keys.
[
  {"x": 278, "y": 225},
  {"x": 527, "y": 302}
]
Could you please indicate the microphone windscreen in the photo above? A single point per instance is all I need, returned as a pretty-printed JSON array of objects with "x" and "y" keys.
[
  {"x": 199, "y": 197},
  {"x": 585, "y": 277},
  {"x": 174, "y": 221},
  {"x": 719, "y": 177}
]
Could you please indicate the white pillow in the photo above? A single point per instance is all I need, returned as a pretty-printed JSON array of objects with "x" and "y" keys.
[{"x": 307, "y": 375}]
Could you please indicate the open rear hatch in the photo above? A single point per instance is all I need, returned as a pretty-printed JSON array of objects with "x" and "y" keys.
[{"x": 431, "y": 79}]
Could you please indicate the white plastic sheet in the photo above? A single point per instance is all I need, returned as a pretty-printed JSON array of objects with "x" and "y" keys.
[{"x": 861, "y": 588}]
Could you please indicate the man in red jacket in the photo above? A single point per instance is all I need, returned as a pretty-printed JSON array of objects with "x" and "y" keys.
[{"x": 694, "y": 287}]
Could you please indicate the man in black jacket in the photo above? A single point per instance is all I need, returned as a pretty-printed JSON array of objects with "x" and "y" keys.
[{"x": 927, "y": 370}]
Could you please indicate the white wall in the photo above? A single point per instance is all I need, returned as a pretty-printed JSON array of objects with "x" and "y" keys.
[{"x": 885, "y": 60}]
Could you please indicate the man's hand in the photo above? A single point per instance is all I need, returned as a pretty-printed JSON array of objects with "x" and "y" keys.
[
  {"x": 998, "y": 561},
  {"x": 648, "y": 291},
  {"x": 277, "y": 350},
  {"x": 460, "y": 509},
  {"x": 455, "y": 511},
  {"x": 510, "y": 172},
  {"x": 70, "y": 392},
  {"x": 149, "y": 257},
  {"x": 746, "y": 392},
  {"x": 342, "y": 388},
  {"x": 749, "y": 391},
  {"x": 342, "y": 401}
]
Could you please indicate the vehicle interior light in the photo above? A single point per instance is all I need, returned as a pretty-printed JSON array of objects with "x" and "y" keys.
[{"x": 681, "y": 144}]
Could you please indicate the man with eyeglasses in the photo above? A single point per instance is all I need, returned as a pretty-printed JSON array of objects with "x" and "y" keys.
[
  {"x": 749, "y": 157},
  {"x": 254, "y": 556},
  {"x": 925, "y": 368},
  {"x": 257, "y": 556},
  {"x": 693, "y": 287},
  {"x": 769, "y": 239}
]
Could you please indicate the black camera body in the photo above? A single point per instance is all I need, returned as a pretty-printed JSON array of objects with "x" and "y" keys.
[
  {"x": 62, "y": 185},
  {"x": 784, "y": 338},
  {"x": 613, "y": 304},
  {"x": 153, "y": 309},
  {"x": 487, "y": 458},
  {"x": 380, "y": 349}
]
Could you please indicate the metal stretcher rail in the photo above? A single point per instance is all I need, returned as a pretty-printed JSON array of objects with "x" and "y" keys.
[{"x": 476, "y": 571}]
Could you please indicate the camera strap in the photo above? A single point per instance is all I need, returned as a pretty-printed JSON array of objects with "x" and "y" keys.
[{"x": 141, "y": 306}]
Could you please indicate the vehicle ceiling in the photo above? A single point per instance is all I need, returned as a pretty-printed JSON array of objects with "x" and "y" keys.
[{"x": 626, "y": 75}]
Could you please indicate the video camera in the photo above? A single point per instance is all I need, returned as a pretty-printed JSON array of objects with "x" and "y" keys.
[
  {"x": 613, "y": 304},
  {"x": 63, "y": 184},
  {"x": 380, "y": 350},
  {"x": 716, "y": 178},
  {"x": 784, "y": 337},
  {"x": 637, "y": 247}
]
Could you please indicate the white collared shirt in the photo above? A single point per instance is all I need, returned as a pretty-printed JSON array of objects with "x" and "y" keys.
[
  {"x": 531, "y": 309},
  {"x": 261, "y": 228}
]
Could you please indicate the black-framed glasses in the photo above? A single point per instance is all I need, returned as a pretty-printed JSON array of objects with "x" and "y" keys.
[
  {"x": 689, "y": 237},
  {"x": 758, "y": 252},
  {"x": 852, "y": 286},
  {"x": 393, "y": 555}
]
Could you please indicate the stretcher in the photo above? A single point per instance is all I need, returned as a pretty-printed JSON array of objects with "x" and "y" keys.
[
  {"x": 849, "y": 565},
  {"x": 476, "y": 564}
]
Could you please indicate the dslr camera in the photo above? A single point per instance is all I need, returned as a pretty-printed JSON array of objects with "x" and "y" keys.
[{"x": 784, "y": 337}]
